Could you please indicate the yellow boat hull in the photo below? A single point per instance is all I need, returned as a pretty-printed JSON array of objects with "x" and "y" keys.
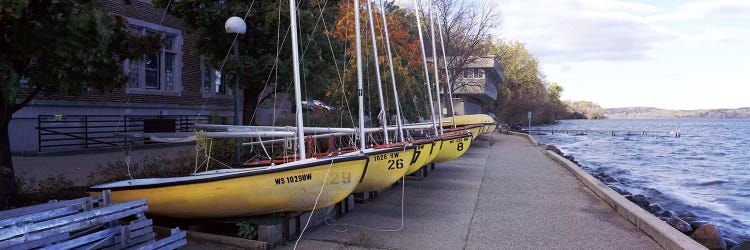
[
  {"x": 476, "y": 130},
  {"x": 463, "y": 120},
  {"x": 245, "y": 192},
  {"x": 453, "y": 146},
  {"x": 489, "y": 128},
  {"x": 385, "y": 167},
  {"x": 424, "y": 153}
]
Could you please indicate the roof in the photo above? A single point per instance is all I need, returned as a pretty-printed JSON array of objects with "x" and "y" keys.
[
  {"x": 486, "y": 61},
  {"x": 480, "y": 62}
]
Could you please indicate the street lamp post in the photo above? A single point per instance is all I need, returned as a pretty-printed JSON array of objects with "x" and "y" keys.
[{"x": 235, "y": 25}]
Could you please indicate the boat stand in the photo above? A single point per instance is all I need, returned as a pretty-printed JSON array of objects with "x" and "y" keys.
[{"x": 421, "y": 173}]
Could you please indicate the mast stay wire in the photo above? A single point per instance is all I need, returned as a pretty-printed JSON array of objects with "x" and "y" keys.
[
  {"x": 304, "y": 51},
  {"x": 345, "y": 227},
  {"x": 341, "y": 78},
  {"x": 127, "y": 104}
]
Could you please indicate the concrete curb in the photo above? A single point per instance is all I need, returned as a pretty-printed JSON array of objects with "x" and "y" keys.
[
  {"x": 662, "y": 233},
  {"x": 529, "y": 137}
]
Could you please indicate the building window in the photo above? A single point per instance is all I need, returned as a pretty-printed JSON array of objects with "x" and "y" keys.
[
  {"x": 213, "y": 82},
  {"x": 158, "y": 72},
  {"x": 473, "y": 74}
]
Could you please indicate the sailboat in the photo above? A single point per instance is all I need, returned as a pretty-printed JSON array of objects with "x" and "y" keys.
[
  {"x": 452, "y": 145},
  {"x": 485, "y": 121},
  {"x": 388, "y": 162},
  {"x": 294, "y": 186}
]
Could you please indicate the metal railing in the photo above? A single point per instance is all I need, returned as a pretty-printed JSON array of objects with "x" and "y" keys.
[{"x": 75, "y": 132}]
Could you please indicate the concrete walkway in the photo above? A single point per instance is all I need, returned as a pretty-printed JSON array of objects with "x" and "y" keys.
[{"x": 506, "y": 196}]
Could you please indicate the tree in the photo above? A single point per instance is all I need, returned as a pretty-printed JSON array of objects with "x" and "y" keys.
[
  {"x": 66, "y": 47},
  {"x": 555, "y": 90},
  {"x": 265, "y": 49},
  {"x": 467, "y": 33},
  {"x": 406, "y": 61},
  {"x": 524, "y": 89},
  {"x": 583, "y": 110}
]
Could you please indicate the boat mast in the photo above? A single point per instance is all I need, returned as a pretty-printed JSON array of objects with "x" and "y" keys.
[
  {"x": 426, "y": 70},
  {"x": 297, "y": 89},
  {"x": 435, "y": 67},
  {"x": 447, "y": 75},
  {"x": 393, "y": 75},
  {"x": 359, "y": 76},
  {"x": 377, "y": 73}
]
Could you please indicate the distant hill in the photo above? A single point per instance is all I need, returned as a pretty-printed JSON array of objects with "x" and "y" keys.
[
  {"x": 583, "y": 110},
  {"x": 650, "y": 112}
]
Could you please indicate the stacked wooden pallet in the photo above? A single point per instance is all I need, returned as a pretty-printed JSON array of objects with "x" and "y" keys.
[{"x": 85, "y": 223}]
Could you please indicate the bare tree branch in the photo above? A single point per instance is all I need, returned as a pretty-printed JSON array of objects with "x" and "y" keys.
[
  {"x": 467, "y": 31},
  {"x": 28, "y": 99}
]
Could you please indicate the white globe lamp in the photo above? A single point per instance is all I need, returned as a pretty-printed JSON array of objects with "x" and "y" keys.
[{"x": 235, "y": 25}]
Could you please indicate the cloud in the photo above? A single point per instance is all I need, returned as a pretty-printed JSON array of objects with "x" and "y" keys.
[
  {"x": 584, "y": 30},
  {"x": 707, "y": 9}
]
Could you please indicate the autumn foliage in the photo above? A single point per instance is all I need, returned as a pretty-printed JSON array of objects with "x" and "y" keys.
[{"x": 407, "y": 60}]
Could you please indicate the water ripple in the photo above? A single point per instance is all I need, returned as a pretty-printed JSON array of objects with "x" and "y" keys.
[{"x": 706, "y": 170}]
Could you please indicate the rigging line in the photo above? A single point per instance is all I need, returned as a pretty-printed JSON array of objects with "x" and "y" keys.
[
  {"x": 127, "y": 102},
  {"x": 345, "y": 226},
  {"x": 366, "y": 62},
  {"x": 264, "y": 150},
  {"x": 378, "y": 80},
  {"x": 369, "y": 100},
  {"x": 276, "y": 71},
  {"x": 283, "y": 41},
  {"x": 449, "y": 85},
  {"x": 435, "y": 66},
  {"x": 274, "y": 67},
  {"x": 314, "y": 206},
  {"x": 304, "y": 52},
  {"x": 341, "y": 78},
  {"x": 235, "y": 37},
  {"x": 409, "y": 56},
  {"x": 165, "y": 12},
  {"x": 426, "y": 70},
  {"x": 302, "y": 57},
  {"x": 330, "y": 45},
  {"x": 221, "y": 69}
]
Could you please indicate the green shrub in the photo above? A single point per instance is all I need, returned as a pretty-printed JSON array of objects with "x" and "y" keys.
[
  {"x": 32, "y": 191},
  {"x": 149, "y": 167},
  {"x": 247, "y": 230}
]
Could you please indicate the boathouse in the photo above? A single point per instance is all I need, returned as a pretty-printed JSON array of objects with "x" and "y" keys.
[
  {"x": 475, "y": 80},
  {"x": 475, "y": 85}
]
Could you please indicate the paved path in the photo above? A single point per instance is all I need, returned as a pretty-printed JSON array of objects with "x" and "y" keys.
[{"x": 505, "y": 196}]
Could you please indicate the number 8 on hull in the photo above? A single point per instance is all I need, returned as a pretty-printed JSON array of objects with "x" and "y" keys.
[{"x": 452, "y": 146}]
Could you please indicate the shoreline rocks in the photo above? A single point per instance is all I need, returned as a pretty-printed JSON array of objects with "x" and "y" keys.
[
  {"x": 710, "y": 237},
  {"x": 745, "y": 245},
  {"x": 679, "y": 224}
]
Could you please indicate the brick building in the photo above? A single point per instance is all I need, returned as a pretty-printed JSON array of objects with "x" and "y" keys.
[{"x": 172, "y": 83}]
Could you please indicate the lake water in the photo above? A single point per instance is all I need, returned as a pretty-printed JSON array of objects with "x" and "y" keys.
[{"x": 705, "y": 171}]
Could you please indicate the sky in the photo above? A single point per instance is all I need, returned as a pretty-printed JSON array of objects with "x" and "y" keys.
[{"x": 665, "y": 54}]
